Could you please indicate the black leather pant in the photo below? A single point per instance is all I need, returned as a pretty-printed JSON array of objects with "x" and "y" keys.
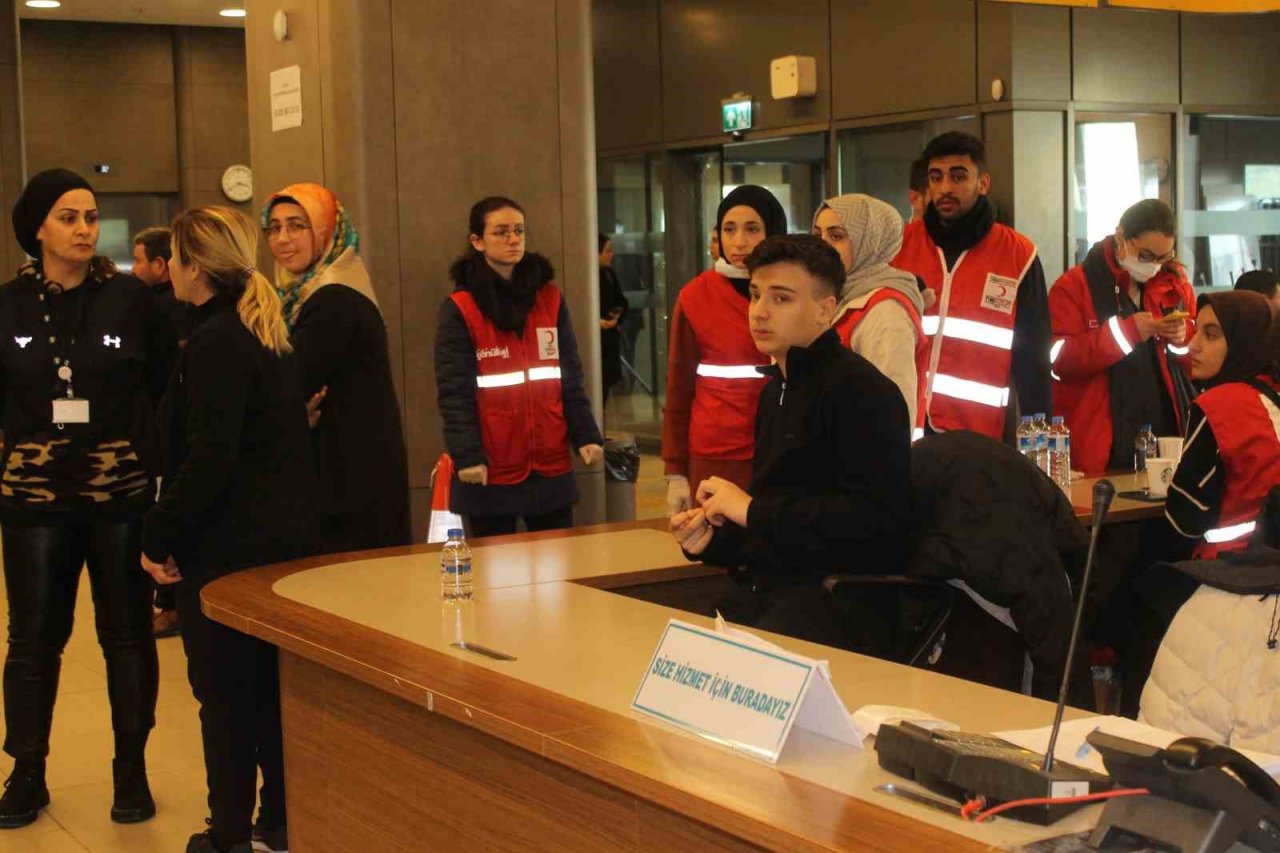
[{"x": 42, "y": 573}]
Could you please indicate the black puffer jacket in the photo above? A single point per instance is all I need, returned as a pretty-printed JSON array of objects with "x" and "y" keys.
[{"x": 990, "y": 518}]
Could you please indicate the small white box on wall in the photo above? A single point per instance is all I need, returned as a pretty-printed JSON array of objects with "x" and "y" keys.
[{"x": 794, "y": 77}]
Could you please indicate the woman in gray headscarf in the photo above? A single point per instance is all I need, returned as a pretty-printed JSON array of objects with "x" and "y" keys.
[{"x": 878, "y": 315}]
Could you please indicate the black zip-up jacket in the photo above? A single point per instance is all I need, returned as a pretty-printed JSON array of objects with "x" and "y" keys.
[
  {"x": 830, "y": 483},
  {"x": 118, "y": 346},
  {"x": 238, "y": 476}
]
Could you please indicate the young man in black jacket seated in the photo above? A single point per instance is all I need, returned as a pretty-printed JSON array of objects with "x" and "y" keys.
[{"x": 830, "y": 486}]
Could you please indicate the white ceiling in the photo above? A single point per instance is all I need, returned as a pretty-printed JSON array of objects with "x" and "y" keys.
[{"x": 184, "y": 12}]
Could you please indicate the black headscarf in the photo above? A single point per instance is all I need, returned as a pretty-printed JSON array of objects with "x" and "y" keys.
[
  {"x": 1249, "y": 324},
  {"x": 762, "y": 202},
  {"x": 38, "y": 198}
]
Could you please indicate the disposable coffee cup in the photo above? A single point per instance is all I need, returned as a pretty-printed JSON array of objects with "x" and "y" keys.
[
  {"x": 1159, "y": 476},
  {"x": 1170, "y": 448}
]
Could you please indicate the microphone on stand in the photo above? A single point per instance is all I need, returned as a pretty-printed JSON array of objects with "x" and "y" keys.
[{"x": 1103, "y": 493}]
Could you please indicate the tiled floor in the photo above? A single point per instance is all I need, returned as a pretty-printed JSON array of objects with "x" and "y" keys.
[{"x": 79, "y": 775}]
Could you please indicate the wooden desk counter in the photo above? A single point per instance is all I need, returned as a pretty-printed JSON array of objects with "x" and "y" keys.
[
  {"x": 396, "y": 740},
  {"x": 1122, "y": 509}
]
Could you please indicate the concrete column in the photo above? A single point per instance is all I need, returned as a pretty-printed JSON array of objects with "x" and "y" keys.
[
  {"x": 412, "y": 111},
  {"x": 13, "y": 159}
]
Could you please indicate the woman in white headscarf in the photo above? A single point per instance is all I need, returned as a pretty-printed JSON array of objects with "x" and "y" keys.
[{"x": 878, "y": 315}]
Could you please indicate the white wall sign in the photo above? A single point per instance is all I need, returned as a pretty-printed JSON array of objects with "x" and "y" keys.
[
  {"x": 739, "y": 690},
  {"x": 286, "y": 98}
]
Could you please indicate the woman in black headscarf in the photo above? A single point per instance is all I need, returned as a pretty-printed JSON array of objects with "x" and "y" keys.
[
  {"x": 1231, "y": 457},
  {"x": 708, "y": 425},
  {"x": 509, "y": 382}
]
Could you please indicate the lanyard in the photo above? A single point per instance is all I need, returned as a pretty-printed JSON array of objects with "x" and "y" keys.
[{"x": 63, "y": 345}]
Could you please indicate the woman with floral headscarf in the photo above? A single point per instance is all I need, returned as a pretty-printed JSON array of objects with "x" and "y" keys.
[{"x": 340, "y": 339}]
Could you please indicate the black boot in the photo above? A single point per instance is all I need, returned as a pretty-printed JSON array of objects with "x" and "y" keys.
[
  {"x": 133, "y": 802},
  {"x": 202, "y": 842},
  {"x": 25, "y": 794}
]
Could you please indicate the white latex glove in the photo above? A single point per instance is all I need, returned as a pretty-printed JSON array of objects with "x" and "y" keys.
[
  {"x": 679, "y": 496},
  {"x": 477, "y": 474},
  {"x": 591, "y": 454}
]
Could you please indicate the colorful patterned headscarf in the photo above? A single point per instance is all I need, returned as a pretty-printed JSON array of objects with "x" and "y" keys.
[{"x": 333, "y": 230}]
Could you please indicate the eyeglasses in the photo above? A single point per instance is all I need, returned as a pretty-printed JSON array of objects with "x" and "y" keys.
[
  {"x": 504, "y": 233},
  {"x": 292, "y": 228},
  {"x": 1151, "y": 258}
]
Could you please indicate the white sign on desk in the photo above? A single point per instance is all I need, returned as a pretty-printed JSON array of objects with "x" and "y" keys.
[
  {"x": 739, "y": 690},
  {"x": 286, "y": 98}
]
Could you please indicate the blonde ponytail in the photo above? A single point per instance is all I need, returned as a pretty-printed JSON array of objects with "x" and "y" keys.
[{"x": 223, "y": 242}]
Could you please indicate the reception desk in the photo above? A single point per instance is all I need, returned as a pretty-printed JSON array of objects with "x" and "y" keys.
[{"x": 399, "y": 739}]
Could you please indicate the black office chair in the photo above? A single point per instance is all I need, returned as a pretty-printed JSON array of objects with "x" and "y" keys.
[{"x": 985, "y": 516}]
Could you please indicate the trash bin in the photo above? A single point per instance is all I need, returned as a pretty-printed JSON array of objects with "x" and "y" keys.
[{"x": 621, "y": 470}]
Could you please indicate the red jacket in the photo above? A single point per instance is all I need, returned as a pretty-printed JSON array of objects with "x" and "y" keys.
[
  {"x": 712, "y": 382},
  {"x": 518, "y": 391},
  {"x": 1243, "y": 421},
  {"x": 1086, "y": 347}
]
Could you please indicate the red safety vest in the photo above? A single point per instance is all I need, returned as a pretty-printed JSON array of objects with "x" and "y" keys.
[
  {"x": 850, "y": 319},
  {"x": 722, "y": 420},
  {"x": 1244, "y": 422},
  {"x": 518, "y": 394},
  {"x": 970, "y": 325}
]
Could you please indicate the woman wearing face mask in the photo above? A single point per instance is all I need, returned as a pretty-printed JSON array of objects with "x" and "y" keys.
[
  {"x": 340, "y": 340},
  {"x": 509, "y": 382},
  {"x": 1121, "y": 321},
  {"x": 878, "y": 315},
  {"x": 84, "y": 353},
  {"x": 1231, "y": 457},
  {"x": 708, "y": 425}
]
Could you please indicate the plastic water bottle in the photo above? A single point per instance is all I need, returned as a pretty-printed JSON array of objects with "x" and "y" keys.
[
  {"x": 1041, "y": 425},
  {"x": 455, "y": 568},
  {"x": 1060, "y": 454},
  {"x": 1144, "y": 447},
  {"x": 1027, "y": 438}
]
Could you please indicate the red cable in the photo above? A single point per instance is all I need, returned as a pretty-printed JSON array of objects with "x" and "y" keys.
[
  {"x": 1049, "y": 801},
  {"x": 967, "y": 810}
]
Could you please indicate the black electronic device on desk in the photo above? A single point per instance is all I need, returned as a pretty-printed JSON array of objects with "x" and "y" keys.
[
  {"x": 971, "y": 766},
  {"x": 963, "y": 766},
  {"x": 1203, "y": 797}
]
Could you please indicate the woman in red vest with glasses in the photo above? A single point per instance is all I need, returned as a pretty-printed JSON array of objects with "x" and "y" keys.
[
  {"x": 708, "y": 424},
  {"x": 510, "y": 383}
]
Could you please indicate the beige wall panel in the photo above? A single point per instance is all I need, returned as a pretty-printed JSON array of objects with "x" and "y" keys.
[
  {"x": 893, "y": 56},
  {"x": 1123, "y": 56},
  {"x": 710, "y": 50},
  {"x": 628, "y": 72}
]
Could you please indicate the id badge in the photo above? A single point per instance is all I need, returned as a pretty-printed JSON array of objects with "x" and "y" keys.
[{"x": 71, "y": 410}]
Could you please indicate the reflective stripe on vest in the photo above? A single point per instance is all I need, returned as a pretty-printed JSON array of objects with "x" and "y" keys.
[
  {"x": 730, "y": 371},
  {"x": 1178, "y": 351},
  {"x": 974, "y": 332},
  {"x": 1229, "y": 534},
  {"x": 1056, "y": 350},
  {"x": 973, "y": 392},
  {"x": 503, "y": 380}
]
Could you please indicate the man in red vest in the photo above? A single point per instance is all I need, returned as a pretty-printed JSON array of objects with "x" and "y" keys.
[{"x": 989, "y": 324}]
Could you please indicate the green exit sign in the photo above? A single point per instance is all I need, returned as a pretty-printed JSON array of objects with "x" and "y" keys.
[{"x": 735, "y": 114}]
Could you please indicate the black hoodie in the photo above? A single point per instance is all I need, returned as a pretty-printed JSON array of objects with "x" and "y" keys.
[{"x": 503, "y": 302}]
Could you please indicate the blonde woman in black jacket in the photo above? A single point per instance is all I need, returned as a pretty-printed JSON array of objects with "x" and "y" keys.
[{"x": 237, "y": 482}]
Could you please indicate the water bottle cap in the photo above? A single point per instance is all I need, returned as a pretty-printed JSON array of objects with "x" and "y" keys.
[
  {"x": 1026, "y": 419},
  {"x": 1146, "y": 427},
  {"x": 1039, "y": 416},
  {"x": 455, "y": 533},
  {"x": 1057, "y": 419}
]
